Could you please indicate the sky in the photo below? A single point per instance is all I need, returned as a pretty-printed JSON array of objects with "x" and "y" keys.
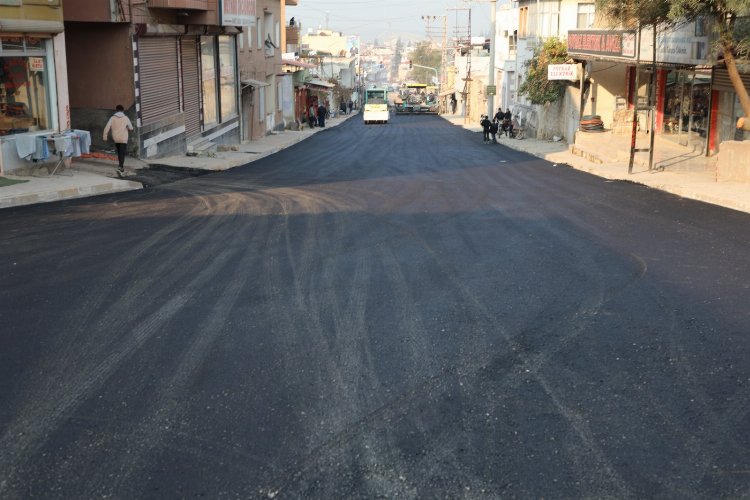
[{"x": 386, "y": 19}]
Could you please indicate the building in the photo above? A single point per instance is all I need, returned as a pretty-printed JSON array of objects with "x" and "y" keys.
[
  {"x": 171, "y": 63},
  {"x": 686, "y": 99},
  {"x": 33, "y": 80},
  {"x": 267, "y": 93},
  {"x": 522, "y": 27}
]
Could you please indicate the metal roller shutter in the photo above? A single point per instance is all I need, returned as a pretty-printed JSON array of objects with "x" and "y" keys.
[
  {"x": 159, "y": 78},
  {"x": 191, "y": 86},
  {"x": 722, "y": 81}
]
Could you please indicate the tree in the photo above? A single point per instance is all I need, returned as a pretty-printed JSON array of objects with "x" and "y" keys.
[
  {"x": 725, "y": 17},
  {"x": 424, "y": 55},
  {"x": 397, "y": 56},
  {"x": 340, "y": 93},
  {"x": 535, "y": 85}
]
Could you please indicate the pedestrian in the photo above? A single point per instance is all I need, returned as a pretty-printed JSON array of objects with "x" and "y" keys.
[
  {"x": 499, "y": 116},
  {"x": 342, "y": 107},
  {"x": 739, "y": 130},
  {"x": 454, "y": 103},
  {"x": 120, "y": 125},
  {"x": 507, "y": 122},
  {"x": 493, "y": 131},
  {"x": 322, "y": 115},
  {"x": 312, "y": 114},
  {"x": 485, "y": 123}
]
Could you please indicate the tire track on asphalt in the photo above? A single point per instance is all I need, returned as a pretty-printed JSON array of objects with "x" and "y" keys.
[
  {"x": 577, "y": 423},
  {"x": 724, "y": 424},
  {"x": 20, "y": 441},
  {"x": 579, "y": 313},
  {"x": 154, "y": 430}
]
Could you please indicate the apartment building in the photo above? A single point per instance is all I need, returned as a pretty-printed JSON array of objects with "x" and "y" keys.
[{"x": 171, "y": 63}]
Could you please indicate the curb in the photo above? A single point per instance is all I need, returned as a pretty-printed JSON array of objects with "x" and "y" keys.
[{"x": 69, "y": 193}]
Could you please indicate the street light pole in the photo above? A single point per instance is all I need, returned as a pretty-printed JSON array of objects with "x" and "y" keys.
[
  {"x": 491, "y": 68},
  {"x": 430, "y": 68}
]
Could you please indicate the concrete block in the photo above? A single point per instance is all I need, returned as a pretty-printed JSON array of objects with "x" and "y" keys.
[{"x": 733, "y": 163}]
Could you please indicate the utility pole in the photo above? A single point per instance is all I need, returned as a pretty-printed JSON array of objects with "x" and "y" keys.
[
  {"x": 491, "y": 68},
  {"x": 463, "y": 40},
  {"x": 433, "y": 32},
  {"x": 491, "y": 77}
]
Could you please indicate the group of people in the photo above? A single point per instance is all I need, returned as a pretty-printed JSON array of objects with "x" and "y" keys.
[
  {"x": 502, "y": 122},
  {"x": 316, "y": 115},
  {"x": 346, "y": 108}
]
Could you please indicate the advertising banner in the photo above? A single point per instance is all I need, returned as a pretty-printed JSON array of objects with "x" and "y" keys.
[{"x": 238, "y": 12}]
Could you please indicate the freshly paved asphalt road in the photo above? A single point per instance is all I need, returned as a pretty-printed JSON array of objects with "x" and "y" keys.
[{"x": 378, "y": 311}]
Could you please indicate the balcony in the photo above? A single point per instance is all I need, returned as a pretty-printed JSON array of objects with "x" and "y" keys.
[{"x": 179, "y": 4}]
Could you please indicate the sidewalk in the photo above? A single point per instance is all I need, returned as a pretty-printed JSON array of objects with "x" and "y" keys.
[
  {"x": 677, "y": 170},
  {"x": 92, "y": 176}
]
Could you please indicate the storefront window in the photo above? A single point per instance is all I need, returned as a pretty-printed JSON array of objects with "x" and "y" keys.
[
  {"x": 24, "y": 100},
  {"x": 228, "y": 79},
  {"x": 208, "y": 66},
  {"x": 686, "y": 102}
]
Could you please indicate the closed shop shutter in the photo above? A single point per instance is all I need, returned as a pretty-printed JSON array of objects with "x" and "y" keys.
[
  {"x": 159, "y": 78},
  {"x": 722, "y": 81},
  {"x": 191, "y": 86}
]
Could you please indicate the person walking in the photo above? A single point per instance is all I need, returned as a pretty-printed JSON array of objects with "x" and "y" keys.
[
  {"x": 120, "y": 125},
  {"x": 312, "y": 113},
  {"x": 493, "y": 131},
  {"x": 351, "y": 106},
  {"x": 485, "y": 123},
  {"x": 499, "y": 116},
  {"x": 508, "y": 123},
  {"x": 454, "y": 103},
  {"x": 322, "y": 115}
]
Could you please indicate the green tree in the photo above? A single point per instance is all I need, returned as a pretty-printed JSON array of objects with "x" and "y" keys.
[
  {"x": 536, "y": 86},
  {"x": 424, "y": 55},
  {"x": 727, "y": 18},
  {"x": 398, "y": 54}
]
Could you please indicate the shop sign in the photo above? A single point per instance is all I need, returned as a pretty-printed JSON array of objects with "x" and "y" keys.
[
  {"x": 238, "y": 12},
  {"x": 36, "y": 64},
  {"x": 685, "y": 44},
  {"x": 563, "y": 72},
  {"x": 605, "y": 43},
  {"x": 491, "y": 90}
]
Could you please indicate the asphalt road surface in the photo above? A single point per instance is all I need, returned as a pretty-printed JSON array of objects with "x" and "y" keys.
[{"x": 379, "y": 311}]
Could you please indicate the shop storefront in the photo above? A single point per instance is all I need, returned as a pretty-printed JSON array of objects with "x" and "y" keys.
[
  {"x": 728, "y": 108},
  {"x": 686, "y": 102},
  {"x": 24, "y": 85},
  {"x": 188, "y": 90},
  {"x": 28, "y": 92},
  {"x": 674, "y": 95}
]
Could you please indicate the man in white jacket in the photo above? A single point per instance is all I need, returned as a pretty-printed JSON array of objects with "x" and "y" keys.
[{"x": 120, "y": 125}]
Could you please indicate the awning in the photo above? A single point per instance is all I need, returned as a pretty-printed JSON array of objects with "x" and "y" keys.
[
  {"x": 249, "y": 82},
  {"x": 31, "y": 26},
  {"x": 320, "y": 83}
]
